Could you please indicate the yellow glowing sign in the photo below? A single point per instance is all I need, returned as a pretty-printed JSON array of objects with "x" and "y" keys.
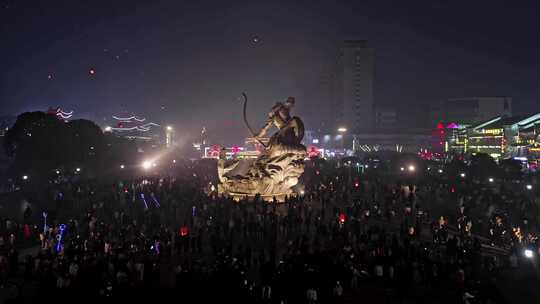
[{"x": 492, "y": 131}]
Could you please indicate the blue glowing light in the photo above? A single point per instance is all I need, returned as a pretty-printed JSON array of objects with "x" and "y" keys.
[
  {"x": 59, "y": 237},
  {"x": 156, "y": 202},
  {"x": 144, "y": 201}
]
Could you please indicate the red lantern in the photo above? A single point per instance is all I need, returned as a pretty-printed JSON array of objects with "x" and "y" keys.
[
  {"x": 342, "y": 217},
  {"x": 184, "y": 231}
]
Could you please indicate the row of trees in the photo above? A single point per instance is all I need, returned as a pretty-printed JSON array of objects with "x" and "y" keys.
[{"x": 40, "y": 144}]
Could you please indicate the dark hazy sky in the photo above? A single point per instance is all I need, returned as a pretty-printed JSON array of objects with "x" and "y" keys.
[{"x": 186, "y": 62}]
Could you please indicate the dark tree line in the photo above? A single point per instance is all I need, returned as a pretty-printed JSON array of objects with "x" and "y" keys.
[{"x": 39, "y": 144}]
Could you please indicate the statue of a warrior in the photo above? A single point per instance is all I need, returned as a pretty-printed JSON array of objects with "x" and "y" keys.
[{"x": 278, "y": 167}]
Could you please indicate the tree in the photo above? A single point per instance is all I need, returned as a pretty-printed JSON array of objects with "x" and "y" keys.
[
  {"x": 86, "y": 145},
  {"x": 35, "y": 142},
  {"x": 40, "y": 143}
]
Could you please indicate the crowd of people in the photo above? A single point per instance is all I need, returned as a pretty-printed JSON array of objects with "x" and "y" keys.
[{"x": 344, "y": 237}]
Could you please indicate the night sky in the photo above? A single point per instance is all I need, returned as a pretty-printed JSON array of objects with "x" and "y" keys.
[{"x": 186, "y": 62}]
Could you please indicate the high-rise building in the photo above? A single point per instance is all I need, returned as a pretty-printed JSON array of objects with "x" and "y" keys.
[
  {"x": 386, "y": 118},
  {"x": 354, "y": 87}
]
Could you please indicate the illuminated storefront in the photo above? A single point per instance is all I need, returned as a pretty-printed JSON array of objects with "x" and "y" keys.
[
  {"x": 499, "y": 137},
  {"x": 456, "y": 138},
  {"x": 487, "y": 137}
]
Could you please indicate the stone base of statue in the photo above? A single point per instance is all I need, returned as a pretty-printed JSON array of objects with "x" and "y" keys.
[{"x": 273, "y": 174}]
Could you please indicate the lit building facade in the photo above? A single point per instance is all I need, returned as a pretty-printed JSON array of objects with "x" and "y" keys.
[
  {"x": 487, "y": 137},
  {"x": 456, "y": 139},
  {"x": 500, "y": 137}
]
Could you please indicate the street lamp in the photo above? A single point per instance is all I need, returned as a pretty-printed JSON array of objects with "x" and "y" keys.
[
  {"x": 411, "y": 168},
  {"x": 440, "y": 171},
  {"x": 78, "y": 170},
  {"x": 462, "y": 175},
  {"x": 529, "y": 187},
  {"x": 528, "y": 253},
  {"x": 122, "y": 166},
  {"x": 57, "y": 171},
  {"x": 146, "y": 164},
  {"x": 402, "y": 169},
  {"x": 169, "y": 136},
  {"x": 342, "y": 130},
  {"x": 491, "y": 179},
  {"x": 25, "y": 177}
]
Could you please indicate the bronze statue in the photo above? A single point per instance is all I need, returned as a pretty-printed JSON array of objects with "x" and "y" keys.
[{"x": 278, "y": 168}]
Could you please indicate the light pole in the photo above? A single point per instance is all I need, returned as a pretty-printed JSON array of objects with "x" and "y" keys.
[
  {"x": 342, "y": 131},
  {"x": 169, "y": 136}
]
